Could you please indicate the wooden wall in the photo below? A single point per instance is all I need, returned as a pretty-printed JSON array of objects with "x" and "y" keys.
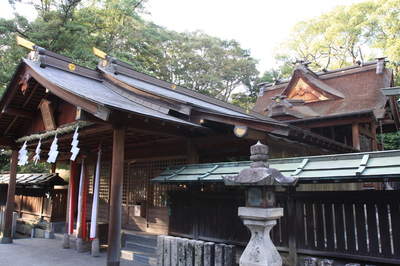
[{"x": 356, "y": 225}]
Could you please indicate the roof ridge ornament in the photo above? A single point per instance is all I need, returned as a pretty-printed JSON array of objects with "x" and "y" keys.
[{"x": 109, "y": 63}]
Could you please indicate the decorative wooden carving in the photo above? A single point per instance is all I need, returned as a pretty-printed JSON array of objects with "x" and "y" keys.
[
  {"x": 305, "y": 92},
  {"x": 24, "y": 82}
]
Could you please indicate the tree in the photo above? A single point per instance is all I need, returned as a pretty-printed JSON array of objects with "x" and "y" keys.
[
  {"x": 391, "y": 141},
  {"x": 347, "y": 35},
  {"x": 192, "y": 59},
  {"x": 208, "y": 64},
  {"x": 30, "y": 167}
]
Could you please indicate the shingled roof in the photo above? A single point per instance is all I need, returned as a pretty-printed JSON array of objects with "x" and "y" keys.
[
  {"x": 342, "y": 91},
  {"x": 38, "y": 179},
  {"x": 338, "y": 168},
  {"x": 114, "y": 93}
]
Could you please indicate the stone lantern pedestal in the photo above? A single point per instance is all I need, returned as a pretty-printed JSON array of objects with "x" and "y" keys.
[
  {"x": 260, "y": 213},
  {"x": 260, "y": 250}
]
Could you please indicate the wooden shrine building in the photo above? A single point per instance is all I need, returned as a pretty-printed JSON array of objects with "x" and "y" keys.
[
  {"x": 145, "y": 125},
  {"x": 345, "y": 104}
]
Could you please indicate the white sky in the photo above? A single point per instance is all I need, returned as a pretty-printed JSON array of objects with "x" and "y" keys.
[{"x": 258, "y": 25}]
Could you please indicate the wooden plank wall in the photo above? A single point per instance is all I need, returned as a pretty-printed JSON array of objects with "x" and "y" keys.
[
  {"x": 34, "y": 204},
  {"x": 360, "y": 225},
  {"x": 355, "y": 225},
  {"x": 158, "y": 220}
]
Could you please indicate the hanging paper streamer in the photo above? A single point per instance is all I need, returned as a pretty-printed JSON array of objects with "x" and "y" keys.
[
  {"x": 53, "y": 153},
  {"x": 71, "y": 199},
  {"x": 93, "y": 224},
  {"x": 22, "y": 157},
  {"x": 74, "y": 144},
  {"x": 81, "y": 220},
  {"x": 36, "y": 158}
]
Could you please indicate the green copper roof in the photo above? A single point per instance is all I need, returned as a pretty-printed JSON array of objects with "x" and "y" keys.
[{"x": 377, "y": 166}]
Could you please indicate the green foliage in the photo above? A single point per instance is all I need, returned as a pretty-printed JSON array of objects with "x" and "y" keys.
[
  {"x": 5, "y": 157},
  {"x": 191, "y": 59},
  {"x": 347, "y": 35},
  {"x": 391, "y": 141},
  {"x": 30, "y": 167},
  {"x": 208, "y": 64}
]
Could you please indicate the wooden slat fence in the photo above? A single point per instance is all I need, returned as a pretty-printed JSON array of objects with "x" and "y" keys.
[
  {"x": 35, "y": 204},
  {"x": 354, "y": 225},
  {"x": 361, "y": 225}
]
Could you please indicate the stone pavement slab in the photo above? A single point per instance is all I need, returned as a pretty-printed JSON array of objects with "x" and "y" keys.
[{"x": 49, "y": 252}]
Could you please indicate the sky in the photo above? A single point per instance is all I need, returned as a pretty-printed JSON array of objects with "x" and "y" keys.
[{"x": 258, "y": 25}]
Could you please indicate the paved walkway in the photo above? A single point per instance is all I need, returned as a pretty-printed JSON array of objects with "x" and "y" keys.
[{"x": 49, "y": 252}]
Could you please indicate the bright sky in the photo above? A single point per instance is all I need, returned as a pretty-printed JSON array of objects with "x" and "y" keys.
[{"x": 258, "y": 25}]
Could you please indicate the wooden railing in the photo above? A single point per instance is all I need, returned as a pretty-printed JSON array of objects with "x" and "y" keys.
[{"x": 354, "y": 225}]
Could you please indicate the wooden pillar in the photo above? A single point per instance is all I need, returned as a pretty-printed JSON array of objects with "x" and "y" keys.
[
  {"x": 7, "y": 234},
  {"x": 53, "y": 167},
  {"x": 115, "y": 213},
  {"x": 292, "y": 230},
  {"x": 374, "y": 140},
  {"x": 193, "y": 157},
  {"x": 356, "y": 135}
]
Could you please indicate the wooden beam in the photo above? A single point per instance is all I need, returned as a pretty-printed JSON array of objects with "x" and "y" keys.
[
  {"x": 374, "y": 139},
  {"x": 10, "y": 125},
  {"x": 143, "y": 124},
  {"x": 192, "y": 154},
  {"x": 215, "y": 139},
  {"x": 18, "y": 112},
  {"x": 7, "y": 233},
  {"x": 7, "y": 142},
  {"x": 248, "y": 133},
  {"x": 254, "y": 124},
  {"x": 366, "y": 132},
  {"x": 115, "y": 213},
  {"x": 356, "y": 135},
  {"x": 328, "y": 123},
  {"x": 30, "y": 95}
]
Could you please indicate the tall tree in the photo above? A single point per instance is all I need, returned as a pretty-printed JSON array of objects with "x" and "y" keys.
[
  {"x": 347, "y": 35},
  {"x": 208, "y": 64},
  {"x": 192, "y": 59}
]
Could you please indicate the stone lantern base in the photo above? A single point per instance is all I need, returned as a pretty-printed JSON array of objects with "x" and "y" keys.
[{"x": 260, "y": 250}]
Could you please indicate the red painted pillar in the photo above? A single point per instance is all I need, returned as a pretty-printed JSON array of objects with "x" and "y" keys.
[
  {"x": 7, "y": 237},
  {"x": 115, "y": 213}
]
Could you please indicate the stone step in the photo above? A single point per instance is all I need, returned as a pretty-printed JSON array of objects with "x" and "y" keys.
[
  {"x": 144, "y": 259},
  {"x": 142, "y": 246},
  {"x": 143, "y": 239}
]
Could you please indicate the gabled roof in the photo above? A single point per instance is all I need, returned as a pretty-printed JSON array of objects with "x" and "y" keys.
[
  {"x": 38, "y": 179},
  {"x": 347, "y": 90},
  {"x": 339, "y": 168},
  {"x": 305, "y": 81},
  {"x": 113, "y": 94},
  {"x": 96, "y": 91}
]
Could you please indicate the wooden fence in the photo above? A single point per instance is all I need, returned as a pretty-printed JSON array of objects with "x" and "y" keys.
[
  {"x": 353, "y": 225},
  {"x": 36, "y": 204}
]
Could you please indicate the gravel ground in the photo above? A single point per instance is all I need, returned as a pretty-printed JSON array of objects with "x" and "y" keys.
[{"x": 49, "y": 252}]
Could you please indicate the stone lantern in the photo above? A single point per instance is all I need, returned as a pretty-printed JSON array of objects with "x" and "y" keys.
[{"x": 260, "y": 213}]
